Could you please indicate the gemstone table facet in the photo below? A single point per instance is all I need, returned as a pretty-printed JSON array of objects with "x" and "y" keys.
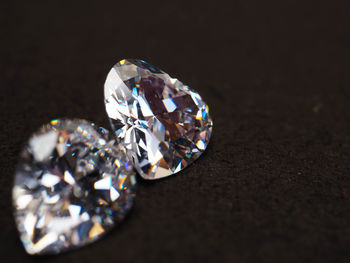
[
  {"x": 163, "y": 124},
  {"x": 72, "y": 185}
]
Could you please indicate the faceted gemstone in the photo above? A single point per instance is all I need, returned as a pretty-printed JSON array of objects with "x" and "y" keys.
[
  {"x": 163, "y": 124},
  {"x": 72, "y": 185}
]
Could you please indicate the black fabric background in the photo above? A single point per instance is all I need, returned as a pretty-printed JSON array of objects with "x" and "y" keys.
[{"x": 274, "y": 183}]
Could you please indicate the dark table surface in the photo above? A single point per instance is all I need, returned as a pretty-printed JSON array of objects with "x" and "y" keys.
[{"x": 274, "y": 183}]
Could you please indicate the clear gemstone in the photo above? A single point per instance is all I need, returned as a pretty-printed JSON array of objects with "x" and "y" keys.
[
  {"x": 163, "y": 124},
  {"x": 72, "y": 185}
]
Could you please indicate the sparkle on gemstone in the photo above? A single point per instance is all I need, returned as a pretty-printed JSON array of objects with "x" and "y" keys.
[
  {"x": 72, "y": 185},
  {"x": 163, "y": 124}
]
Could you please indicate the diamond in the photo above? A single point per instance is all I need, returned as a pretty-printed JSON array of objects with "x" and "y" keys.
[
  {"x": 163, "y": 124},
  {"x": 72, "y": 185}
]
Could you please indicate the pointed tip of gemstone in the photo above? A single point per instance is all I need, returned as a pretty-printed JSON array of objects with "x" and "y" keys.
[
  {"x": 72, "y": 185},
  {"x": 163, "y": 124}
]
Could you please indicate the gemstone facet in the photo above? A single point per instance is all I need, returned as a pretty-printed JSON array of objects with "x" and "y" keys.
[
  {"x": 163, "y": 124},
  {"x": 72, "y": 185}
]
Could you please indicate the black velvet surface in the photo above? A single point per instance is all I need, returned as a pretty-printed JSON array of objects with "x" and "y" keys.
[{"x": 274, "y": 183}]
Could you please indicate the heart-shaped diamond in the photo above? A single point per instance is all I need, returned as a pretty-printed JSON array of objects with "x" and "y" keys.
[
  {"x": 163, "y": 124},
  {"x": 72, "y": 185}
]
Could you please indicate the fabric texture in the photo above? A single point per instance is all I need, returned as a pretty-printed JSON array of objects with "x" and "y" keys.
[{"x": 274, "y": 182}]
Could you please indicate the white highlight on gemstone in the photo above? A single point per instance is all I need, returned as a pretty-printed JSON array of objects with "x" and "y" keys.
[
  {"x": 44, "y": 242},
  {"x": 43, "y": 145},
  {"x": 48, "y": 198},
  {"x": 69, "y": 178},
  {"x": 49, "y": 180},
  {"x": 200, "y": 144},
  {"x": 29, "y": 223},
  {"x": 114, "y": 194},
  {"x": 23, "y": 200},
  {"x": 103, "y": 184},
  {"x": 74, "y": 210},
  {"x": 146, "y": 111},
  {"x": 169, "y": 105},
  {"x": 59, "y": 225}
]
